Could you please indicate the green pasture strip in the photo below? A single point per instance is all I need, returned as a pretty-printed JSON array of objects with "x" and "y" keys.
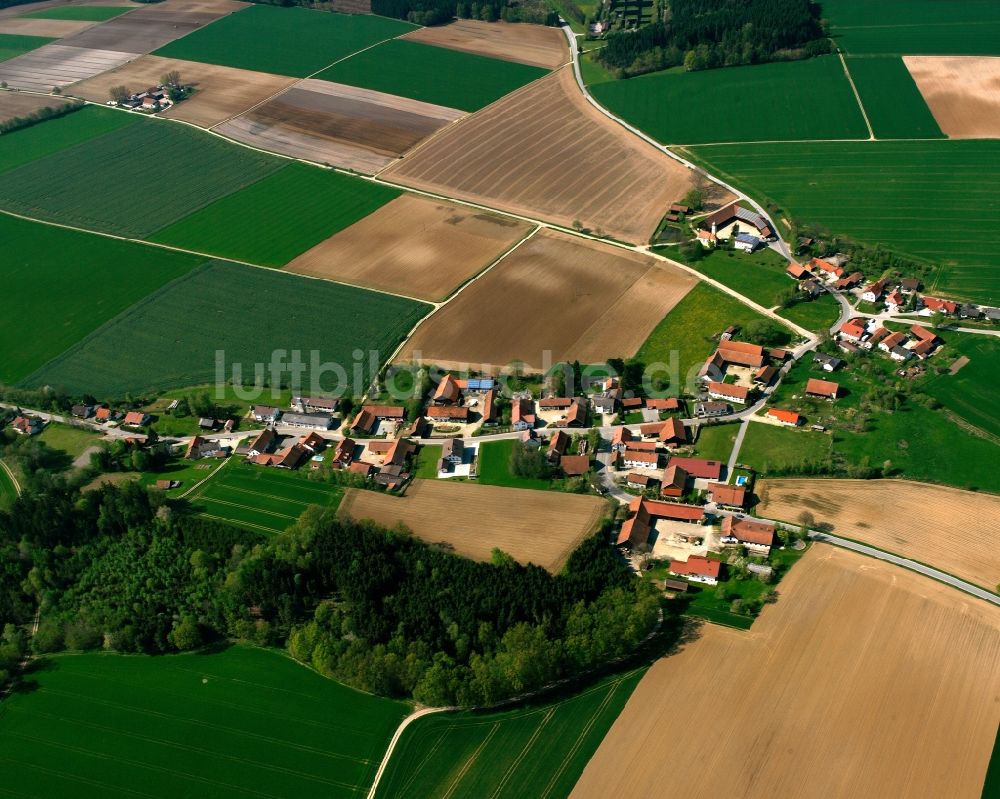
[
  {"x": 817, "y": 315},
  {"x": 770, "y": 102},
  {"x": 972, "y": 391},
  {"x": 8, "y": 493},
  {"x": 715, "y": 442},
  {"x": 244, "y": 313},
  {"x": 275, "y": 219},
  {"x": 285, "y": 41},
  {"x": 539, "y": 750},
  {"x": 68, "y": 285},
  {"x": 433, "y": 74},
  {"x": 494, "y": 467},
  {"x": 72, "y": 440},
  {"x": 759, "y": 276},
  {"x": 14, "y": 44},
  {"x": 933, "y": 200},
  {"x": 134, "y": 181},
  {"x": 892, "y": 101},
  {"x": 915, "y": 27},
  {"x": 38, "y": 141},
  {"x": 82, "y": 13},
  {"x": 242, "y": 722},
  {"x": 767, "y": 447}
]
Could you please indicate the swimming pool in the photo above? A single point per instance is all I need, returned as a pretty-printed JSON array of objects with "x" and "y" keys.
[{"x": 741, "y": 480}]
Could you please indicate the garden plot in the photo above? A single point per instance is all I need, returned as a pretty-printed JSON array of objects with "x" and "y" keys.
[
  {"x": 963, "y": 93},
  {"x": 59, "y": 65},
  {"x": 338, "y": 124}
]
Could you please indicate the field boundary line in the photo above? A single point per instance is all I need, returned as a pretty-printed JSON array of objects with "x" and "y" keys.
[
  {"x": 470, "y": 762},
  {"x": 523, "y": 753},
  {"x": 857, "y": 96},
  {"x": 10, "y": 474},
  {"x": 417, "y": 714}
]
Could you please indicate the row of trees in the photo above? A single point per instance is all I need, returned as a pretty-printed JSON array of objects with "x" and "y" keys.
[{"x": 439, "y": 12}]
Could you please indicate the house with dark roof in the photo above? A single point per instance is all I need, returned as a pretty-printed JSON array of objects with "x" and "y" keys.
[
  {"x": 829, "y": 363},
  {"x": 709, "y": 410},
  {"x": 267, "y": 414},
  {"x": 312, "y": 421},
  {"x": 25, "y": 425}
]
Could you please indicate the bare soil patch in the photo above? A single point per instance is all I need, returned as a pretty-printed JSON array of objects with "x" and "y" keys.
[
  {"x": 536, "y": 45},
  {"x": 13, "y": 104},
  {"x": 59, "y": 65},
  {"x": 338, "y": 124},
  {"x": 544, "y": 152},
  {"x": 425, "y": 248},
  {"x": 55, "y": 28},
  {"x": 963, "y": 93},
  {"x": 220, "y": 92},
  {"x": 579, "y": 300},
  {"x": 863, "y": 680},
  {"x": 953, "y": 530},
  {"x": 540, "y": 527}
]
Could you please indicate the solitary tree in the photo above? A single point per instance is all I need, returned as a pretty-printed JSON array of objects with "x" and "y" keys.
[{"x": 171, "y": 79}]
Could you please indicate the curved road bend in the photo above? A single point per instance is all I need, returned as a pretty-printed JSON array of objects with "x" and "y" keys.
[{"x": 395, "y": 740}]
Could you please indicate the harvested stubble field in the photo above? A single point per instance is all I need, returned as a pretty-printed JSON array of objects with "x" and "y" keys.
[
  {"x": 953, "y": 530},
  {"x": 109, "y": 183},
  {"x": 545, "y": 152},
  {"x": 14, "y": 105},
  {"x": 554, "y": 293},
  {"x": 963, "y": 93},
  {"x": 220, "y": 92},
  {"x": 863, "y": 680},
  {"x": 426, "y": 248},
  {"x": 539, "y": 527},
  {"x": 332, "y": 123},
  {"x": 49, "y": 28},
  {"x": 247, "y": 313},
  {"x": 537, "y": 45},
  {"x": 236, "y": 723},
  {"x": 58, "y": 65}
]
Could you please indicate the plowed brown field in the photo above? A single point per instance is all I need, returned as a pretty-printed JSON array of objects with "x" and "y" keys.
[
  {"x": 56, "y": 28},
  {"x": 864, "y": 680},
  {"x": 544, "y": 152},
  {"x": 17, "y": 105},
  {"x": 338, "y": 124},
  {"x": 425, "y": 248},
  {"x": 963, "y": 93},
  {"x": 577, "y": 299},
  {"x": 537, "y": 45},
  {"x": 540, "y": 527},
  {"x": 220, "y": 92},
  {"x": 953, "y": 530}
]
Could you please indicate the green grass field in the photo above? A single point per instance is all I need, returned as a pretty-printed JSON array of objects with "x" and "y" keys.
[
  {"x": 83, "y": 13},
  {"x": 8, "y": 493},
  {"x": 971, "y": 393},
  {"x": 715, "y": 442},
  {"x": 494, "y": 467},
  {"x": 690, "y": 333},
  {"x": 13, "y": 44},
  {"x": 769, "y": 102},
  {"x": 426, "y": 463},
  {"x": 134, "y": 181},
  {"x": 38, "y": 141},
  {"x": 759, "y": 276},
  {"x": 537, "y": 751},
  {"x": 188, "y": 473},
  {"x": 68, "y": 285},
  {"x": 915, "y": 27},
  {"x": 277, "y": 218},
  {"x": 929, "y": 199},
  {"x": 894, "y": 104},
  {"x": 72, "y": 440},
  {"x": 260, "y": 497},
  {"x": 767, "y": 447},
  {"x": 242, "y": 722},
  {"x": 287, "y": 41},
  {"x": 815, "y": 315},
  {"x": 173, "y": 337},
  {"x": 991, "y": 787},
  {"x": 415, "y": 70}
]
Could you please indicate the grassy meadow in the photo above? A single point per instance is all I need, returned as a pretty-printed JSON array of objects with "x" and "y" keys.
[
  {"x": 262, "y": 498},
  {"x": 172, "y": 337},
  {"x": 8, "y": 493},
  {"x": 759, "y": 276},
  {"x": 715, "y": 442},
  {"x": 133, "y": 181},
  {"x": 240, "y": 722},
  {"x": 894, "y": 104},
  {"x": 287, "y": 41},
  {"x": 494, "y": 467},
  {"x": 80, "y": 13},
  {"x": 415, "y": 70},
  {"x": 68, "y": 285},
  {"x": 279, "y": 217},
  {"x": 74, "y": 441},
  {"x": 971, "y": 392},
  {"x": 769, "y": 448},
  {"x": 768, "y": 102},
  {"x": 929, "y": 199},
  {"x": 14, "y": 44},
  {"x": 538, "y": 750},
  {"x": 816, "y": 315}
]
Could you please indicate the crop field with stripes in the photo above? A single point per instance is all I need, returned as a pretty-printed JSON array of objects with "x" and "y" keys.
[
  {"x": 261, "y": 497},
  {"x": 238, "y": 723},
  {"x": 537, "y": 751}
]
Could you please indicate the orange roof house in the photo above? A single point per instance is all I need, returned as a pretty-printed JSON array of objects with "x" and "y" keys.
[
  {"x": 699, "y": 468},
  {"x": 636, "y": 530},
  {"x": 673, "y": 432},
  {"x": 674, "y": 481},
  {"x": 728, "y": 391},
  {"x": 697, "y": 568},
  {"x": 822, "y": 388},
  {"x": 574, "y": 465},
  {"x": 728, "y": 495},
  {"x": 447, "y": 391},
  {"x": 790, "y": 418},
  {"x": 755, "y": 535}
]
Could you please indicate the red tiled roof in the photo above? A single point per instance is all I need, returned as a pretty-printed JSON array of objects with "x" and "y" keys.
[
  {"x": 664, "y": 404},
  {"x": 446, "y": 412},
  {"x": 574, "y": 465},
  {"x": 558, "y": 442},
  {"x": 134, "y": 418},
  {"x": 639, "y": 456},
  {"x": 640, "y": 446},
  {"x": 826, "y": 266},
  {"x": 752, "y": 532},
  {"x": 824, "y": 388},
  {"x": 697, "y": 565},
  {"x": 554, "y": 403},
  {"x": 853, "y": 327},
  {"x": 699, "y": 468},
  {"x": 674, "y": 477},
  {"x": 447, "y": 390},
  {"x": 728, "y": 494},
  {"x": 728, "y": 390},
  {"x": 798, "y": 271},
  {"x": 923, "y": 333},
  {"x": 789, "y": 417},
  {"x": 673, "y": 430},
  {"x": 934, "y": 304}
]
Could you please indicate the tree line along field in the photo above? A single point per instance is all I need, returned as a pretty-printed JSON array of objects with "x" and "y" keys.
[
  {"x": 286, "y": 41},
  {"x": 416, "y": 70},
  {"x": 538, "y": 750},
  {"x": 911, "y": 27},
  {"x": 895, "y": 107},
  {"x": 269, "y": 500},
  {"x": 97, "y": 278},
  {"x": 171, "y": 337},
  {"x": 14, "y": 44},
  {"x": 929, "y": 199},
  {"x": 769, "y": 102},
  {"x": 240, "y": 722},
  {"x": 95, "y": 13}
]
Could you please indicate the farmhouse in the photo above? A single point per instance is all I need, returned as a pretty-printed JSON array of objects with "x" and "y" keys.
[
  {"x": 879, "y": 334},
  {"x": 873, "y": 291},
  {"x": 136, "y": 419},
  {"x": 890, "y": 341},
  {"x": 728, "y": 496},
  {"x": 642, "y": 446},
  {"x": 488, "y": 411},
  {"x": 699, "y": 468},
  {"x": 789, "y": 418},
  {"x": 707, "y": 238},
  {"x": 636, "y": 530},
  {"x": 104, "y": 415},
  {"x": 853, "y": 330},
  {"x": 606, "y": 402},
  {"x": 522, "y": 414},
  {"x": 830, "y": 271},
  {"x": 900, "y": 353},
  {"x": 27, "y": 425},
  {"x": 970, "y": 311},
  {"x": 418, "y": 428},
  {"x": 664, "y": 404},
  {"x": 829, "y": 363},
  {"x": 746, "y": 243},
  {"x": 265, "y": 441},
  {"x": 798, "y": 272},
  {"x": 554, "y": 403},
  {"x": 848, "y": 281},
  {"x": 765, "y": 375},
  {"x": 369, "y": 416},
  {"x": 722, "y": 222},
  {"x": 558, "y": 445},
  {"x": 728, "y": 391},
  {"x": 362, "y": 468},
  {"x": 267, "y": 414},
  {"x": 756, "y": 536},
  {"x": 447, "y": 392},
  {"x": 314, "y": 421},
  {"x": 673, "y": 433},
  {"x": 709, "y": 410},
  {"x": 574, "y": 465},
  {"x": 314, "y": 404},
  {"x": 822, "y": 388},
  {"x": 895, "y": 301},
  {"x": 576, "y": 414},
  {"x": 452, "y": 454},
  {"x": 82, "y": 411},
  {"x": 934, "y": 305},
  {"x": 343, "y": 454},
  {"x": 909, "y": 284},
  {"x": 697, "y": 569},
  {"x": 674, "y": 481},
  {"x": 313, "y": 442},
  {"x": 620, "y": 439},
  {"x": 811, "y": 287},
  {"x": 447, "y": 413},
  {"x": 638, "y": 459},
  {"x": 641, "y": 481}
]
